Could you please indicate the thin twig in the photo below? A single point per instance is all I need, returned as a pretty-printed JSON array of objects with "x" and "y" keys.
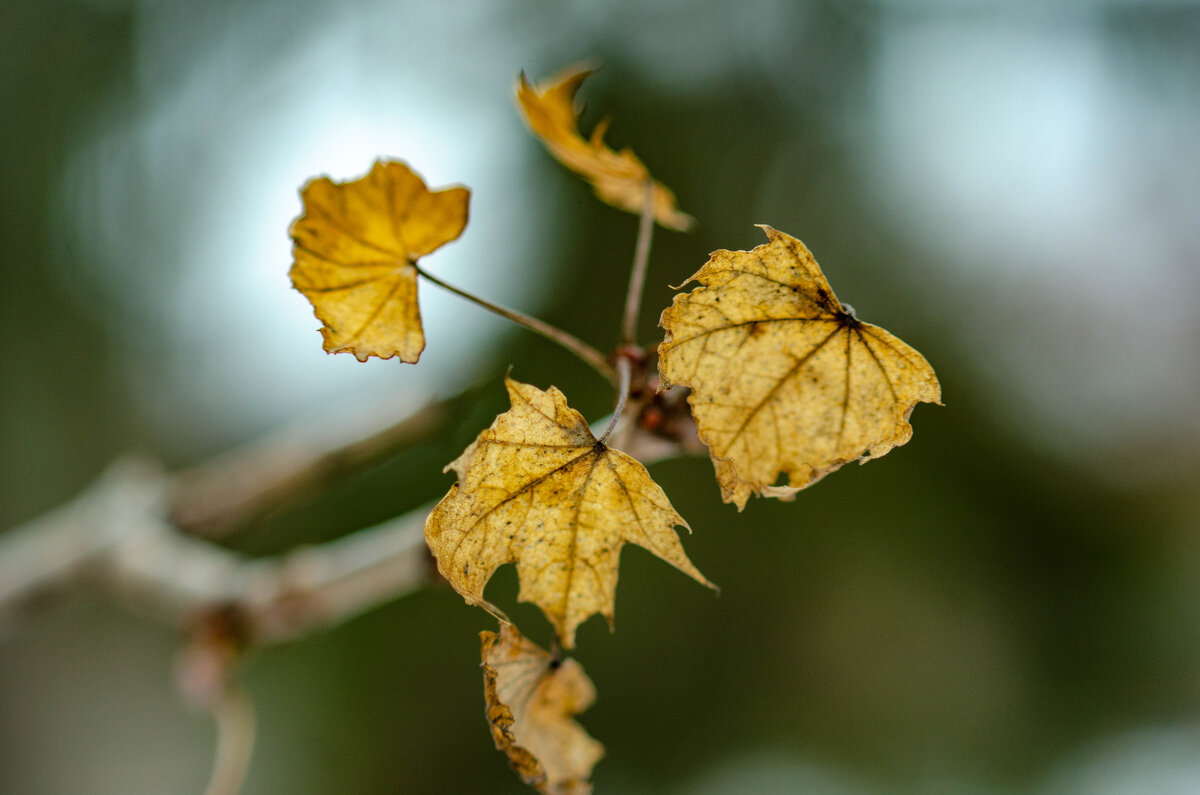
[
  {"x": 624, "y": 367},
  {"x": 637, "y": 275},
  {"x": 234, "y": 716},
  {"x": 556, "y": 335}
]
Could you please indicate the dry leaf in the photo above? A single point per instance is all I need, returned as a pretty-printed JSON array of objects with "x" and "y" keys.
[
  {"x": 354, "y": 249},
  {"x": 619, "y": 177},
  {"x": 531, "y": 698},
  {"x": 538, "y": 489},
  {"x": 784, "y": 378}
]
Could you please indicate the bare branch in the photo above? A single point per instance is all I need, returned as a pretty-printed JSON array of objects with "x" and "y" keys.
[
  {"x": 58, "y": 548},
  {"x": 173, "y": 577},
  {"x": 222, "y": 495},
  {"x": 115, "y": 537}
]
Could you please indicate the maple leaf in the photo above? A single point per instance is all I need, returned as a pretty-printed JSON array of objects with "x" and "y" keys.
[
  {"x": 784, "y": 378},
  {"x": 355, "y": 247},
  {"x": 538, "y": 489},
  {"x": 619, "y": 178},
  {"x": 531, "y": 698}
]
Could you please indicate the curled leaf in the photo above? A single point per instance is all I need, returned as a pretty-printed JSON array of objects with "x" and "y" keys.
[
  {"x": 784, "y": 378},
  {"x": 538, "y": 489},
  {"x": 531, "y": 700},
  {"x": 619, "y": 178},
  {"x": 354, "y": 249}
]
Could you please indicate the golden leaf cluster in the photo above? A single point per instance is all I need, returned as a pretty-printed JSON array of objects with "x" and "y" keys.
[
  {"x": 619, "y": 178},
  {"x": 786, "y": 385},
  {"x": 355, "y": 249},
  {"x": 784, "y": 378},
  {"x": 531, "y": 701}
]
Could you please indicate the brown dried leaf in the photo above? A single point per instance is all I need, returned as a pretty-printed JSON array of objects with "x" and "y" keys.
[
  {"x": 784, "y": 378},
  {"x": 538, "y": 489},
  {"x": 619, "y": 177},
  {"x": 354, "y": 249},
  {"x": 531, "y": 699}
]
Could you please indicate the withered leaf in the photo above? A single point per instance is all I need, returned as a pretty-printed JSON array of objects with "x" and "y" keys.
[
  {"x": 619, "y": 178},
  {"x": 531, "y": 701},
  {"x": 354, "y": 249},
  {"x": 784, "y": 378},
  {"x": 538, "y": 489}
]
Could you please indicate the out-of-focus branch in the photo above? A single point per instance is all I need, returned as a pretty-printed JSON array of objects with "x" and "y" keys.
[
  {"x": 222, "y": 495},
  {"x": 115, "y": 537},
  {"x": 173, "y": 578},
  {"x": 127, "y": 536},
  {"x": 123, "y": 535},
  {"x": 59, "y": 548},
  {"x": 234, "y": 717}
]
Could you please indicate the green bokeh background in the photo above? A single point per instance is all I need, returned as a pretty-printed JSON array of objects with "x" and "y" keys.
[{"x": 1004, "y": 605}]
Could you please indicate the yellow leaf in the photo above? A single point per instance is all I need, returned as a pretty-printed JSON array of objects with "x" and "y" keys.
[
  {"x": 354, "y": 249},
  {"x": 531, "y": 698},
  {"x": 538, "y": 489},
  {"x": 784, "y": 378},
  {"x": 619, "y": 177}
]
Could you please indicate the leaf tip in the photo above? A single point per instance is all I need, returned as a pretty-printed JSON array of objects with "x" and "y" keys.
[{"x": 618, "y": 177}]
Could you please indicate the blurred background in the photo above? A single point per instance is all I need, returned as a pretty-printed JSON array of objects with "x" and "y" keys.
[{"x": 1009, "y": 604}]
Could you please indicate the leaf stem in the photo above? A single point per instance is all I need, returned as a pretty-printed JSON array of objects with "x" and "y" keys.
[
  {"x": 641, "y": 257},
  {"x": 556, "y": 335},
  {"x": 624, "y": 368}
]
